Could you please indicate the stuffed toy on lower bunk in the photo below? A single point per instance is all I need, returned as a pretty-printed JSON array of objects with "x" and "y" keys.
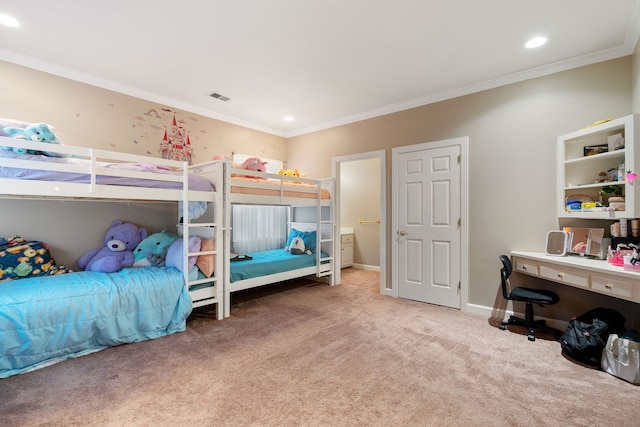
[
  {"x": 175, "y": 256},
  {"x": 117, "y": 253},
  {"x": 152, "y": 250},
  {"x": 298, "y": 247}
]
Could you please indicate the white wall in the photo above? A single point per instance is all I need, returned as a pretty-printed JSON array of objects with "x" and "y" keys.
[{"x": 635, "y": 82}]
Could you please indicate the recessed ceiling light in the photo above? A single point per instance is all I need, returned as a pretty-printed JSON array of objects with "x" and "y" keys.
[
  {"x": 288, "y": 118},
  {"x": 536, "y": 42},
  {"x": 9, "y": 21}
]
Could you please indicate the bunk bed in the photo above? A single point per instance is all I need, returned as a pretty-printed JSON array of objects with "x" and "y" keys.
[
  {"x": 47, "y": 319},
  {"x": 279, "y": 265}
]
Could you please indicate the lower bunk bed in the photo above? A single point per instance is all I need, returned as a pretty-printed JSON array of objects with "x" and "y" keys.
[
  {"x": 48, "y": 319},
  {"x": 272, "y": 266},
  {"x": 267, "y": 267}
]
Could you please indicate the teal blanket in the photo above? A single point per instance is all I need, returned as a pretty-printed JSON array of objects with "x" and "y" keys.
[
  {"x": 270, "y": 262},
  {"x": 44, "y": 320}
]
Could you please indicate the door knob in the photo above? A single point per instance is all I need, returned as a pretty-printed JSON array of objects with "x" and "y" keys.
[{"x": 402, "y": 232}]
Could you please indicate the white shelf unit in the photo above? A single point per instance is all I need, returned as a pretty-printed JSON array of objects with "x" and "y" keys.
[{"x": 577, "y": 173}]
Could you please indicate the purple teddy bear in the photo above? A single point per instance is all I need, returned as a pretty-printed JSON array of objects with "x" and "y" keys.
[{"x": 120, "y": 241}]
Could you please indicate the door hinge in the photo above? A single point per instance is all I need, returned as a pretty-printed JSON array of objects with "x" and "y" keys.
[
  {"x": 459, "y": 158},
  {"x": 459, "y": 222}
]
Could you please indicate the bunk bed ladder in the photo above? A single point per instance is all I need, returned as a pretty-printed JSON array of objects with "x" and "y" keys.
[
  {"x": 207, "y": 290},
  {"x": 326, "y": 234}
]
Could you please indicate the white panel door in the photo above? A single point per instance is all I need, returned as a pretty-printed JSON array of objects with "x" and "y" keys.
[{"x": 428, "y": 221}]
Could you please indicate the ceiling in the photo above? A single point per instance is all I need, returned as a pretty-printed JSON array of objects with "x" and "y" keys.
[{"x": 324, "y": 62}]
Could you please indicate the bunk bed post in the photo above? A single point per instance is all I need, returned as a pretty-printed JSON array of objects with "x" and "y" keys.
[
  {"x": 185, "y": 223},
  {"x": 227, "y": 237}
]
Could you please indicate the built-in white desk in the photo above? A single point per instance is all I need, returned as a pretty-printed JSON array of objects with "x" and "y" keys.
[{"x": 580, "y": 272}]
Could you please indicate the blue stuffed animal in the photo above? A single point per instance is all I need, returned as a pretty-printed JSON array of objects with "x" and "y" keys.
[
  {"x": 152, "y": 251},
  {"x": 117, "y": 253},
  {"x": 40, "y": 132}
]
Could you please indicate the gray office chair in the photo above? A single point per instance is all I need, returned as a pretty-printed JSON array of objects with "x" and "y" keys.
[{"x": 529, "y": 296}]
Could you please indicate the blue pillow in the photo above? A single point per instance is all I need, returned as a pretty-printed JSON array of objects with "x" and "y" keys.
[
  {"x": 292, "y": 235},
  {"x": 309, "y": 239}
]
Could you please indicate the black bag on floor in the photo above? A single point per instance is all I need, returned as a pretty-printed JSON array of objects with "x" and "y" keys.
[{"x": 586, "y": 335}]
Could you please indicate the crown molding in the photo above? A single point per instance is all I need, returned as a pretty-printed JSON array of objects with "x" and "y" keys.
[
  {"x": 556, "y": 67},
  {"x": 67, "y": 73}
]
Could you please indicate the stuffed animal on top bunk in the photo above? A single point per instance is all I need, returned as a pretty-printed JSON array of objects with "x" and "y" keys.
[
  {"x": 117, "y": 253},
  {"x": 290, "y": 172},
  {"x": 40, "y": 132},
  {"x": 251, "y": 164},
  {"x": 152, "y": 250}
]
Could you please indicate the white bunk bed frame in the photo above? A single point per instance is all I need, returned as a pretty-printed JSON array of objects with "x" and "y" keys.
[
  {"x": 324, "y": 266},
  {"x": 46, "y": 190}
]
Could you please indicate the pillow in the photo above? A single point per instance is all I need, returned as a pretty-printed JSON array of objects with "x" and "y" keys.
[
  {"x": 292, "y": 235},
  {"x": 175, "y": 254},
  {"x": 207, "y": 263},
  {"x": 309, "y": 238}
]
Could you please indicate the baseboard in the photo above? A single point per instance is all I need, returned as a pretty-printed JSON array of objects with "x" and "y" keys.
[
  {"x": 367, "y": 267},
  {"x": 488, "y": 312}
]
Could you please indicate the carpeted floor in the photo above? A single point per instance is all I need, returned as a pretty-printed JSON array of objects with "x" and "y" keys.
[{"x": 306, "y": 354}]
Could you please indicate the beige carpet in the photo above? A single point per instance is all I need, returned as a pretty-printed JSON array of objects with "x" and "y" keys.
[{"x": 303, "y": 354}]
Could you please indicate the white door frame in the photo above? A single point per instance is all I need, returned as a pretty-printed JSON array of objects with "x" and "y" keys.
[
  {"x": 335, "y": 167},
  {"x": 463, "y": 142}
]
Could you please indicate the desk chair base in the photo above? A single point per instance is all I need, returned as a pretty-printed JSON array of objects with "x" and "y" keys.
[{"x": 531, "y": 324}]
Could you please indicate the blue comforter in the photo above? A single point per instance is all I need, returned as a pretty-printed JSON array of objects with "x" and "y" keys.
[
  {"x": 44, "y": 320},
  {"x": 270, "y": 262}
]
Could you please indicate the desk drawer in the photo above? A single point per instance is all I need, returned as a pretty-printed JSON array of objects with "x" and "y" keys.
[
  {"x": 614, "y": 288},
  {"x": 566, "y": 276},
  {"x": 526, "y": 267}
]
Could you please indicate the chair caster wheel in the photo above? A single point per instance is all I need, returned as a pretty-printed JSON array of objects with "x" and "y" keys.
[
  {"x": 503, "y": 327},
  {"x": 531, "y": 337}
]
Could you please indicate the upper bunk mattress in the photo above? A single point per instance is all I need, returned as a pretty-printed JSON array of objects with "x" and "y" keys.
[
  {"x": 290, "y": 188},
  {"x": 195, "y": 182}
]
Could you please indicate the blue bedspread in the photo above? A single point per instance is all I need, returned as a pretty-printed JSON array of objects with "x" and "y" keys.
[
  {"x": 44, "y": 320},
  {"x": 269, "y": 262}
]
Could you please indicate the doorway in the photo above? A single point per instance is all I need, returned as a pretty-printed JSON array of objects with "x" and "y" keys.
[
  {"x": 338, "y": 167},
  {"x": 430, "y": 222}
]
